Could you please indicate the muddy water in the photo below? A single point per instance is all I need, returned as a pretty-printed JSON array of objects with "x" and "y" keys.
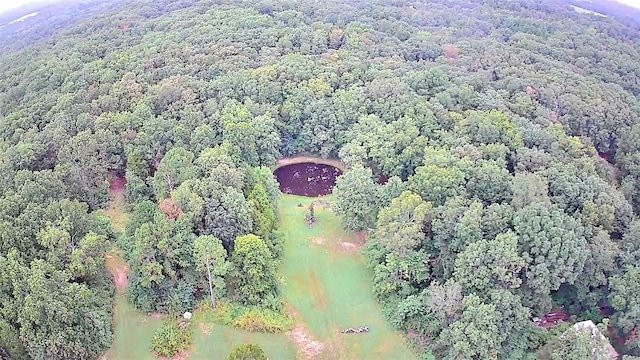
[{"x": 307, "y": 179}]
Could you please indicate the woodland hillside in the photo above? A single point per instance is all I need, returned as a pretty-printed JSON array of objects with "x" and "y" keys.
[{"x": 492, "y": 151}]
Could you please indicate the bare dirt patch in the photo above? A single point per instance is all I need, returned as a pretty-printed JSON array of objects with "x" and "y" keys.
[
  {"x": 318, "y": 240},
  {"x": 117, "y": 184},
  {"x": 205, "y": 328},
  {"x": 118, "y": 270},
  {"x": 181, "y": 356},
  {"x": 308, "y": 347},
  {"x": 155, "y": 315},
  {"x": 348, "y": 246}
]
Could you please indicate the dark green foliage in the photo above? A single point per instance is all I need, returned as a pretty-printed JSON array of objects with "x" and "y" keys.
[
  {"x": 489, "y": 117},
  {"x": 247, "y": 352}
]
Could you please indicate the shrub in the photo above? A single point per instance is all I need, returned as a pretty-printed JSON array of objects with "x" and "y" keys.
[
  {"x": 225, "y": 312},
  {"x": 171, "y": 338},
  {"x": 255, "y": 319},
  {"x": 251, "y": 318},
  {"x": 247, "y": 352}
]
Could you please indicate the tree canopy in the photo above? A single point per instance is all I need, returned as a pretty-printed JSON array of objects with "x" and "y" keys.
[{"x": 491, "y": 151}]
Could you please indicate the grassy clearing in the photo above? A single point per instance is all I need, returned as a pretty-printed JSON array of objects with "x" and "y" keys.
[
  {"x": 134, "y": 331},
  {"x": 117, "y": 210},
  {"x": 329, "y": 288}
]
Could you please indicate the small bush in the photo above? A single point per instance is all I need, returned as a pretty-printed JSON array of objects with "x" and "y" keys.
[
  {"x": 225, "y": 312},
  {"x": 247, "y": 352},
  {"x": 268, "y": 321},
  {"x": 246, "y": 318},
  {"x": 171, "y": 338}
]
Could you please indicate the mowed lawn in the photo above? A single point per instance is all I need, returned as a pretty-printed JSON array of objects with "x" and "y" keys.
[
  {"x": 329, "y": 288},
  {"x": 134, "y": 331}
]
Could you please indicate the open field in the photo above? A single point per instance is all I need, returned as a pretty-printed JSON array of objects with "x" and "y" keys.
[{"x": 329, "y": 289}]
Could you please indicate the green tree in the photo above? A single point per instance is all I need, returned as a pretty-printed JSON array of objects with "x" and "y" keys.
[
  {"x": 487, "y": 265},
  {"x": 175, "y": 168},
  {"x": 554, "y": 247},
  {"x": 623, "y": 297},
  {"x": 401, "y": 225},
  {"x": 580, "y": 344},
  {"x": 356, "y": 198},
  {"x": 490, "y": 183},
  {"x": 254, "y": 278},
  {"x": 436, "y": 184},
  {"x": 476, "y": 334},
  {"x": 209, "y": 254},
  {"x": 84, "y": 164}
]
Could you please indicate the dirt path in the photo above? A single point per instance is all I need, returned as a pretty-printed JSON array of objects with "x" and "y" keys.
[
  {"x": 118, "y": 270},
  {"x": 310, "y": 159},
  {"x": 300, "y": 336}
]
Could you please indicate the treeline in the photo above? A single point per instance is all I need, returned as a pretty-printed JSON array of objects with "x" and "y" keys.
[{"x": 489, "y": 118}]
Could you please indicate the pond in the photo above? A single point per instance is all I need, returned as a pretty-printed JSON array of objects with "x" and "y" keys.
[{"x": 307, "y": 178}]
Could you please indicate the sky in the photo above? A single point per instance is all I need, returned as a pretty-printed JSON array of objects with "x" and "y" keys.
[
  {"x": 634, "y": 3},
  {"x": 10, "y": 4}
]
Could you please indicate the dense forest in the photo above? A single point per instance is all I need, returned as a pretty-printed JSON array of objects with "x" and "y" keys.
[{"x": 493, "y": 154}]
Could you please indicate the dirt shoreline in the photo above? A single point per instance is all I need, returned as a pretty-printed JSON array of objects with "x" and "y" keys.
[{"x": 309, "y": 159}]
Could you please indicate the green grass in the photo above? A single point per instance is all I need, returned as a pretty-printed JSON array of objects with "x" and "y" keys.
[
  {"x": 133, "y": 332},
  {"x": 330, "y": 289},
  {"x": 212, "y": 341}
]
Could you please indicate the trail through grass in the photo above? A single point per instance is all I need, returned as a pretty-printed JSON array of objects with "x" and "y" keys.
[{"x": 329, "y": 288}]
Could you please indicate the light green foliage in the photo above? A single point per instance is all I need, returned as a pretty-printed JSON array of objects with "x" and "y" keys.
[
  {"x": 210, "y": 257},
  {"x": 476, "y": 333},
  {"x": 528, "y": 188},
  {"x": 162, "y": 266},
  {"x": 509, "y": 118},
  {"x": 554, "y": 247},
  {"x": 492, "y": 127},
  {"x": 255, "y": 137},
  {"x": 490, "y": 183},
  {"x": 487, "y": 265},
  {"x": 357, "y": 198},
  {"x": 171, "y": 338},
  {"x": 436, "y": 184},
  {"x": 624, "y": 289},
  {"x": 576, "y": 345},
  {"x": 84, "y": 163},
  {"x": 55, "y": 327},
  {"x": 175, "y": 168},
  {"x": 400, "y": 226}
]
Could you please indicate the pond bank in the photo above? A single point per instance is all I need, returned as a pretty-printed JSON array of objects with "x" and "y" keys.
[{"x": 309, "y": 159}]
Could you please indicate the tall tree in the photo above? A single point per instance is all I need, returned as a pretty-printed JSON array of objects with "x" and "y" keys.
[
  {"x": 254, "y": 274},
  {"x": 356, "y": 198},
  {"x": 208, "y": 251},
  {"x": 401, "y": 225}
]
